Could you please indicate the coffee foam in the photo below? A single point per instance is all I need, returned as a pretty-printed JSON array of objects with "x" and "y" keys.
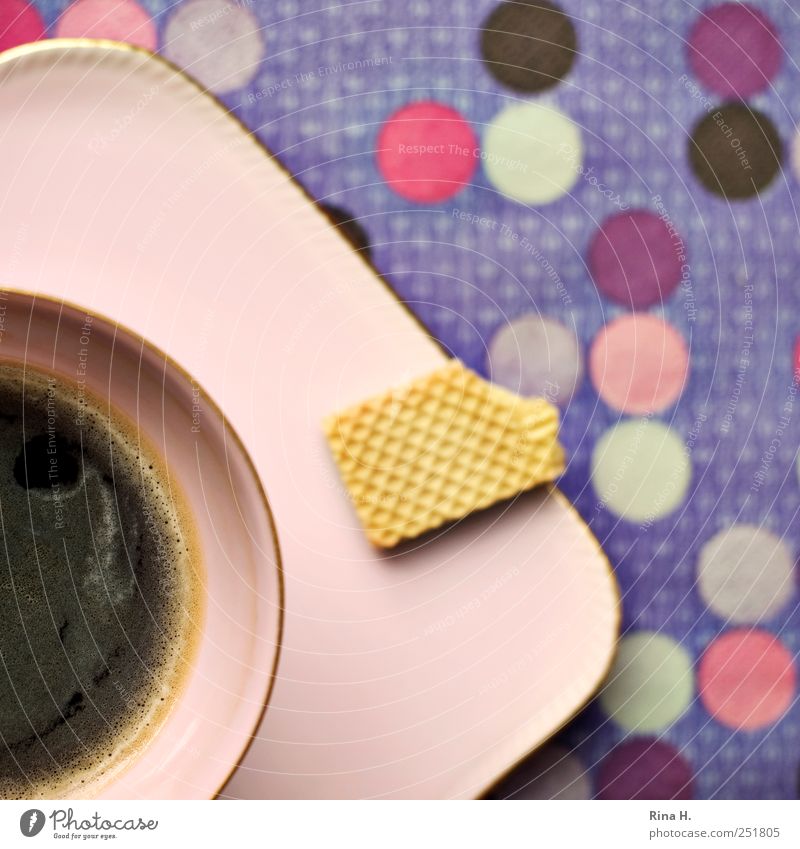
[{"x": 102, "y": 583}]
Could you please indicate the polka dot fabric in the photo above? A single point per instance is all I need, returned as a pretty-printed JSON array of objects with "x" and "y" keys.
[
  {"x": 118, "y": 20},
  {"x": 596, "y": 201}
]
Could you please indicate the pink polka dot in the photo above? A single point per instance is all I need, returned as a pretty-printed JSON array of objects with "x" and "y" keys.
[
  {"x": 734, "y": 50},
  {"x": 746, "y": 679},
  {"x": 644, "y": 769},
  {"x": 638, "y": 364},
  {"x": 118, "y": 20},
  {"x": 636, "y": 259},
  {"x": 19, "y": 24},
  {"x": 427, "y": 152},
  {"x": 797, "y": 358}
]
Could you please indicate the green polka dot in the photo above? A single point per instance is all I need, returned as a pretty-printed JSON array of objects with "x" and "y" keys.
[
  {"x": 650, "y": 685},
  {"x": 532, "y": 153},
  {"x": 640, "y": 470}
]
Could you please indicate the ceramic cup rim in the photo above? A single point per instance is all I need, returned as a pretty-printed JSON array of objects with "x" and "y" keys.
[{"x": 123, "y": 335}]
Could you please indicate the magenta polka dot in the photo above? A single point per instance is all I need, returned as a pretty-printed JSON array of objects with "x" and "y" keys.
[
  {"x": 644, "y": 769},
  {"x": 19, "y": 23},
  {"x": 119, "y": 20},
  {"x": 636, "y": 259},
  {"x": 427, "y": 152},
  {"x": 796, "y": 360},
  {"x": 734, "y": 50}
]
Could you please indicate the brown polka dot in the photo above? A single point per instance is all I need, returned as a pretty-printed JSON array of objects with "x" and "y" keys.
[
  {"x": 349, "y": 227},
  {"x": 735, "y": 151},
  {"x": 528, "y": 45}
]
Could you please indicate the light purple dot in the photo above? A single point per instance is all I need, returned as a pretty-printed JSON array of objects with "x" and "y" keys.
[
  {"x": 636, "y": 259},
  {"x": 734, "y": 50},
  {"x": 537, "y": 357},
  {"x": 644, "y": 769}
]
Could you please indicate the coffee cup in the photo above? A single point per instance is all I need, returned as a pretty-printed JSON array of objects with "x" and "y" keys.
[{"x": 153, "y": 681}]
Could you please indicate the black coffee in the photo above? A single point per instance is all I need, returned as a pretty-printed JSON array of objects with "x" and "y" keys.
[{"x": 98, "y": 587}]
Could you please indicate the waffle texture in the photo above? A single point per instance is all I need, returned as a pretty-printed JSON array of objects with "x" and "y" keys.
[{"x": 438, "y": 448}]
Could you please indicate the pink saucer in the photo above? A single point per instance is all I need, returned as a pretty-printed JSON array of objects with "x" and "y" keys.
[{"x": 422, "y": 674}]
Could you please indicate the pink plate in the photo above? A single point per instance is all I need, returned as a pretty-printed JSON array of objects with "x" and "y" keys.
[{"x": 422, "y": 674}]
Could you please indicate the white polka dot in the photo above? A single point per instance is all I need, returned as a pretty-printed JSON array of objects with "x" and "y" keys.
[
  {"x": 640, "y": 470},
  {"x": 745, "y": 574},
  {"x": 532, "y": 153},
  {"x": 650, "y": 685},
  {"x": 398, "y": 37},
  {"x": 536, "y": 356},
  {"x": 216, "y": 41}
]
